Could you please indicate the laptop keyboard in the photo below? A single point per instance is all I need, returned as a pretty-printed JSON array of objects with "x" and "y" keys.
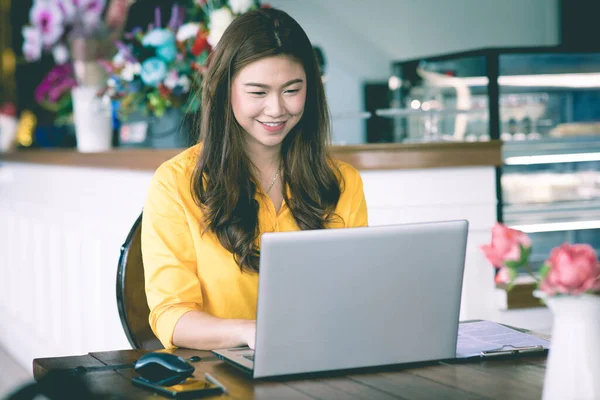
[{"x": 250, "y": 357}]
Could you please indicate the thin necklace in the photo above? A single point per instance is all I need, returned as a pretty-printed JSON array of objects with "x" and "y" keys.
[{"x": 274, "y": 179}]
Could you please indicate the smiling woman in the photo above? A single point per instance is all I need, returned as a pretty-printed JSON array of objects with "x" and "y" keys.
[
  {"x": 268, "y": 99},
  {"x": 262, "y": 165}
]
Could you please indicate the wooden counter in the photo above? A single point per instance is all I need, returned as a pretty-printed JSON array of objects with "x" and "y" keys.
[{"x": 383, "y": 156}]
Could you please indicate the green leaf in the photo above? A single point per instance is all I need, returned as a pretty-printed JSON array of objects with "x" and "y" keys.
[
  {"x": 513, "y": 265},
  {"x": 525, "y": 253},
  {"x": 544, "y": 271},
  {"x": 201, "y": 59},
  {"x": 512, "y": 274},
  {"x": 159, "y": 111}
]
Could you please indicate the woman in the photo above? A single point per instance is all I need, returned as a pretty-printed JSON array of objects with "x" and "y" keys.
[{"x": 261, "y": 166}]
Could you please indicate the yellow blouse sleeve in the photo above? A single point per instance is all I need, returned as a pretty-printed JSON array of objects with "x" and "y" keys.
[
  {"x": 358, "y": 208},
  {"x": 172, "y": 284}
]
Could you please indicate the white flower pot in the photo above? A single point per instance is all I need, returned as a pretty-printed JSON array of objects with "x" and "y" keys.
[
  {"x": 93, "y": 120},
  {"x": 8, "y": 132},
  {"x": 573, "y": 366}
]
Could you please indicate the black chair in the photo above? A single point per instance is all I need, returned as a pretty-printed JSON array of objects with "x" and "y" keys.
[{"x": 131, "y": 294}]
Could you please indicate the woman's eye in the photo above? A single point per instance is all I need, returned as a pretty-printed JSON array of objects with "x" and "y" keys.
[
  {"x": 292, "y": 91},
  {"x": 257, "y": 93}
]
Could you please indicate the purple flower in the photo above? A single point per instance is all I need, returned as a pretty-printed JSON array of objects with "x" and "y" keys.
[
  {"x": 41, "y": 91},
  {"x": 56, "y": 92},
  {"x": 48, "y": 18},
  {"x": 59, "y": 80},
  {"x": 176, "y": 17},
  {"x": 124, "y": 53}
]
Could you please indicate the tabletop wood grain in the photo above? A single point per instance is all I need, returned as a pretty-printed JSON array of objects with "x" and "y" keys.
[{"x": 508, "y": 378}]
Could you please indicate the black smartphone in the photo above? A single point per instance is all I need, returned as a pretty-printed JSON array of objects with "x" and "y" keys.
[{"x": 190, "y": 388}]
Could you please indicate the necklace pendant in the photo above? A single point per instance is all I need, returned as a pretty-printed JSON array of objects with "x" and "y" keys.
[{"x": 273, "y": 181}]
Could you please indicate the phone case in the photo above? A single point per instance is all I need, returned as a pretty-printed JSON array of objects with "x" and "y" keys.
[{"x": 190, "y": 388}]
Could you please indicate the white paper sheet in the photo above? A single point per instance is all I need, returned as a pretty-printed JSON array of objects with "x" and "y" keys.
[{"x": 475, "y": 337}]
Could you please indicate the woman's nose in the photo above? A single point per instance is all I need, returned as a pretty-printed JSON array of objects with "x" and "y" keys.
[{"x": 274, "y": 107}]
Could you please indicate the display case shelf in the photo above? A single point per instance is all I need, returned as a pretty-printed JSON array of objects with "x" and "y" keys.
[
  {"x": 514, "y": 151},
  {"x": 556, "y": 212}
]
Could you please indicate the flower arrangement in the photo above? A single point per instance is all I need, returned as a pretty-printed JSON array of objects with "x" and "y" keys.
[
  {"x": 53, "y": 22},
  {"x": 571, "y": 269},
  {"x": 157, "y": 68},
  {"x": 53, "y": 26},
  {"x": 569, "y": 284}
]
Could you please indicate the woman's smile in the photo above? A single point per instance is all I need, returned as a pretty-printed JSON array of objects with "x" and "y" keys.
[{"x": 273, "y": 126}]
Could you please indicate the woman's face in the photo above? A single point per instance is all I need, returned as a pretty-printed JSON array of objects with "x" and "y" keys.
[{"x": 268, "y": 98}]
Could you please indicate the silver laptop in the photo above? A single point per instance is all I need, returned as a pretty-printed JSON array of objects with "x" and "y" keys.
[{"x": 350, "y": 298}]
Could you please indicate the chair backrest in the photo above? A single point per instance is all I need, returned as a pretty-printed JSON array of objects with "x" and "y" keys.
[{"x": 131, "y": 294}]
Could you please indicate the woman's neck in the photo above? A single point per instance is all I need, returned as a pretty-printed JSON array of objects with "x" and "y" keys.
[{"x": 265, "y": 159}]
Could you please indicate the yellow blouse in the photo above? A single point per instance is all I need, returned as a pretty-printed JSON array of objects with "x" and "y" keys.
[{"x": 188, "y": 271}]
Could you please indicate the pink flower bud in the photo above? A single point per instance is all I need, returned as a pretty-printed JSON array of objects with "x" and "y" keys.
[
  {"x": 506, "y": 245},
  {"x": 573, "y": 269}
]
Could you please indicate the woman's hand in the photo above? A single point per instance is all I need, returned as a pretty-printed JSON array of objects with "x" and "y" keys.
[
  {"x": 199, "y": 330},
  {"x": 248, "y": 333}
]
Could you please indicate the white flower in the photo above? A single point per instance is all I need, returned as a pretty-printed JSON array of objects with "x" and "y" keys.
[
  {"x": 60, "y": 53},
  {"x": 32, "y": 43},
  {"x": 219, "y": 21},
  {"x": 187, "y": 31},
  {"x": 119, "y": 60},
  {"x": 112, "y": 82},
  {"x": 185, "y": 83},
  {"x": 171, "y": 79},
  {"x": 48, "y": 18},
  {"x": 68, "y": 8},
  {"x": 130, "y": 71},
  {"x": 240, "y": 6},
  {"x": 85, "y": 11}
]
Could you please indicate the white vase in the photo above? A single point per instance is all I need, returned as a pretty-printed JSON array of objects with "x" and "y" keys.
[
  {"x": 573, "y": 366},
  {"x": 93, "y": 120}
]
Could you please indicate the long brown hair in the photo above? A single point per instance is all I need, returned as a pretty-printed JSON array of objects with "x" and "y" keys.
[{"x": 223, "y": 184}]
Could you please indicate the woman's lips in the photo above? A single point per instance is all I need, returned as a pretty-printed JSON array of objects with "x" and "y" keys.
[{"x": 273, "y": 128}]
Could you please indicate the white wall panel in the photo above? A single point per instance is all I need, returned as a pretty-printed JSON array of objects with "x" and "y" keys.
[{"x": 61, "y": 229}]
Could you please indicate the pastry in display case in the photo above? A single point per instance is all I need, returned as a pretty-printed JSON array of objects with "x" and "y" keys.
[{"x": 543, "y": 103}]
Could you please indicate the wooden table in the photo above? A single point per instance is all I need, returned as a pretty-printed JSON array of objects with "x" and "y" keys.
[{"x": 517, "y": 378}]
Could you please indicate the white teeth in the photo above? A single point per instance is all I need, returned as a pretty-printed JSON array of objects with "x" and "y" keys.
[{"x": 272, "y": 124}]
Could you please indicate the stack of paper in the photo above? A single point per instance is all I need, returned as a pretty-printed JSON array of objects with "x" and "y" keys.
[{"x": 484, "y": 336}]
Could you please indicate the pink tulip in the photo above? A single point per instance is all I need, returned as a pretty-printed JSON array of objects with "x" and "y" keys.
[
  {"x": 506, "y": 245},
  {"x": 573, "y": 269},
  {"x": 503, "y": 276}
]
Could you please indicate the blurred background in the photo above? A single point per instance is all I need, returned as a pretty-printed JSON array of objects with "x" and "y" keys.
[{"x": 359, "y": 42}]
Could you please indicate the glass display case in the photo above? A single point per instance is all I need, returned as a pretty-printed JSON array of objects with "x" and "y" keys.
[
  {"x": 544, "y": 103},
  {"x": 440, "y": 100}
]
